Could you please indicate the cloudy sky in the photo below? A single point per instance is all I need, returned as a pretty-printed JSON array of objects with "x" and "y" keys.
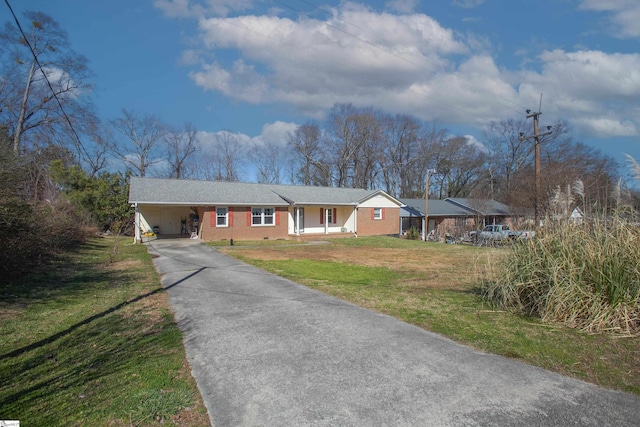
[{"x": 260, "y": 67}]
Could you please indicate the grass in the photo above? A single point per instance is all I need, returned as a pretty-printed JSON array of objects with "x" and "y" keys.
[
  {"x": 437, "y": 287},
  {"x": 92, "y": 342},
  {"x": 585, "y": 276},
  {"x": 264, "y": 242}
]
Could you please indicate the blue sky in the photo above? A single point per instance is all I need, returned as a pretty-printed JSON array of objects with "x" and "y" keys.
[{"x": 262, "y": 67}]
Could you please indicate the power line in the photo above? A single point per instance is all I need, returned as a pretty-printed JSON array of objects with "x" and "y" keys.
[{"x": 46, "y": 78}]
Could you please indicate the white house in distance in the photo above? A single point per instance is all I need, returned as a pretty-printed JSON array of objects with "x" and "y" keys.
[{"x": 216, "y": 210}]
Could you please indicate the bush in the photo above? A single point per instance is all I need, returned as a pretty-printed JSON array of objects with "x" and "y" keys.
[
  {"x": 587, "y": 277},
  {"x": 33, "y": 234},
  {"x": 413, "y": 234}
]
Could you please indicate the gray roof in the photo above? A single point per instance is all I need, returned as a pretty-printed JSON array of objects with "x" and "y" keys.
[
  {"x": 456, "y": 207},
  {"x": 487, "y": 207},
  {"x": 437, "y": 207},
  {"x": 189, "y": 192}
]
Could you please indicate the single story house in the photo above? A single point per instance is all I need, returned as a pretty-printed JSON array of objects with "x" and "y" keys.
[
  {"x": 214, "y": 210},
  {"x": 452, "y": 215}
]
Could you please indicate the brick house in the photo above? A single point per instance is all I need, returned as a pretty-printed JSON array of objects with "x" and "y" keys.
[
  {"x": 216, "y": 210},
  {"x": 454, "y": 216}
]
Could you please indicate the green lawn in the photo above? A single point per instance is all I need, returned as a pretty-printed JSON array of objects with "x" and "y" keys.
[
  {"x": 92, "y": 342},
  {"x": 436, "y": 286}
]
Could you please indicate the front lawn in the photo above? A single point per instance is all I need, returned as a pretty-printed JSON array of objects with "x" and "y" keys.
[{"x": 93, "y": 342}]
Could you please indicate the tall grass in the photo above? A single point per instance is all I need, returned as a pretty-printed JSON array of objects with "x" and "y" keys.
[{"x": 583, "y": 276}]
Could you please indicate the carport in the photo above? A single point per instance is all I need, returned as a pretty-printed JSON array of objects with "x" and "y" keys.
[{"x": 166, "y": 220}]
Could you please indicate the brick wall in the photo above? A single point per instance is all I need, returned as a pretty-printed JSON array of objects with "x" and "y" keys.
[
  {"x": 389, "y": 224},
  {"x": 239, "y": 225}
]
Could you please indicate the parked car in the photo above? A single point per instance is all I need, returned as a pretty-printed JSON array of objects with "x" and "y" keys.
[{"x": 500, "y": 233}]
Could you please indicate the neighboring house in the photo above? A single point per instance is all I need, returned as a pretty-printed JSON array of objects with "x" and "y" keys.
[
  {"x": 453, "y": 215},
  {"x": 215, "y": 210},
  {"x": 576, "y": 217}
]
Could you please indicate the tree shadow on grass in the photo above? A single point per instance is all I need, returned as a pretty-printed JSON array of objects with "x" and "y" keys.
[
  {"x": 88, "y": 320},
  {"x": 56, "y": 377}
]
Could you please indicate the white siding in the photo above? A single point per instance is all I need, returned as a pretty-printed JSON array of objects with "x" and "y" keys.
[
  {"x": 378, "y": 201},
  {"x": 166, "y": 217}
]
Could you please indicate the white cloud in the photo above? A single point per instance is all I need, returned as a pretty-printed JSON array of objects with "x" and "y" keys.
[
  {"x": 596, "y": 91},
  {"x": 194, "y": 8},
  {"x": 408, "y": 64},
  {"x": 313, "y": 64},
  {"x": 606, "y": 127},
  {"x": 275, "y": 134},
  {"x": 472, "y": 141},
  {"x": 593, "y": 74},
  {"x": 467, "y": 4},
  {"x": 174, "y": 8},
  {"x": 624, "y": 15},
  {"x": 402, "y": 6},
  {"x": 209, "y": 140}
]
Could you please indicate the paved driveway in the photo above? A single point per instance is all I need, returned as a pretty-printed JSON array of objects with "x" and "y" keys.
[{"x": 268, "y": 352}]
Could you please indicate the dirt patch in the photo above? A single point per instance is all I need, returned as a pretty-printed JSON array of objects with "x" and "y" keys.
[
  {"x": 125, "y": 265},
  {"x": 8, "y": 313}
]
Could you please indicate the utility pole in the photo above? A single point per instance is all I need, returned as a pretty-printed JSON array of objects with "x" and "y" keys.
[
  {"x": 536, "y": 137},
  {"x": 426, "y": 204}
]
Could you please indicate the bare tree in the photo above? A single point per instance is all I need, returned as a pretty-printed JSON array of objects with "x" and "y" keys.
[
  {"x": 508, "y": 155},
  {"x": 307, "y": 156},
  {"x": 220, "y": 160},
  {"x": 354, "y": 139},
  {"x": 459, "y": 166},
  {"x": 269, "y": 159},
  {"x": 140, "y": 146},
  {"x": 343, "y": 144},
  {"x": 45, "y": 74},
  {"x": 365, "y": 162},
  {"x": 403, "y": 155},
  {"x": 565, "y": 161},
  {"x": 181, "y": 144}
]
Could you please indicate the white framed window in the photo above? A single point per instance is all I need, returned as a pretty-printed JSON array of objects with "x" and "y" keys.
[
  {"x": 222, "y": 216},
  {"x": 377, "y": 213},
  {"x": 263, "y": 216},
  {"x": 329, "y": 216}
]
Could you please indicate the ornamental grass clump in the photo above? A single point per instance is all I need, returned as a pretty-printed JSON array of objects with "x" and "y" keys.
[{"x": 583, "y": 276}]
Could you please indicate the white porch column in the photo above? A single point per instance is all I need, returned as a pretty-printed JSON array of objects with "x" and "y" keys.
[
  {"x": 326, "y": 222},
  {"x": 297, "y": 222},
  {"x": 355, "y": 220}
]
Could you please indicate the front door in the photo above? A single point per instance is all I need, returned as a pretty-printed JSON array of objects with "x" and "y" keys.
[{"x": 298, "y": 219}]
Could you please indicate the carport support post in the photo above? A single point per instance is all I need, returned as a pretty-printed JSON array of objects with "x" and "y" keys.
[
  {"x": 137, "y": 238},
  {"x": 425, "y": 230}
]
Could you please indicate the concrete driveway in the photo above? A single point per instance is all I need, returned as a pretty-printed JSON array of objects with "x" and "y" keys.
[{"x": 268, "y": 352}]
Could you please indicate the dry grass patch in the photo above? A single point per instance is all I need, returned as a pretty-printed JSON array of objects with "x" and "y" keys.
[
  {"x": 426, "y": 267},
  {"x": 125, "y": 264}
]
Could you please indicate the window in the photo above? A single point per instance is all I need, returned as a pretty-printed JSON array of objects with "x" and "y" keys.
[
  {"x": 222, "y": 216},
  {"x": 377, "y": 213},
  {"x": 329, "y": 214},
  {"x": 262, "y": 216}
]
